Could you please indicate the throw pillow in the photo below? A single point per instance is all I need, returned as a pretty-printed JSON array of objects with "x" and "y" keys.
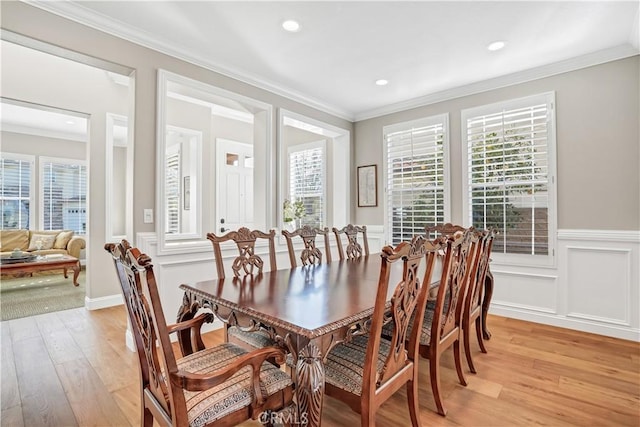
[
  {"x": 45, "y": 240},
  {"x": 62, "y": 239}
]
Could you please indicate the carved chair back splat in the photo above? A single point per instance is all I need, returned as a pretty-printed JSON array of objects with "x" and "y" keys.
[
  {"x": 353, "y": 248},
  {"x": 247, "y": 262},
  {"x": 310, "y": 254}
]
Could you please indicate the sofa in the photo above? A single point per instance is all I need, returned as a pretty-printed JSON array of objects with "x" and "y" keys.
[{"x": 41, "y": 242}]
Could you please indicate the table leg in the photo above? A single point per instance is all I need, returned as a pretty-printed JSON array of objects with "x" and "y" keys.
[
  {"x": 310, "y": 385},
  {"x": 488, "y": 293},
  {"x": 76, "y": 272}
]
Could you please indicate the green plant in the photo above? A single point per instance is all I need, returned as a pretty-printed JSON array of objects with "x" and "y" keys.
[{"x": 293, "y": 210}]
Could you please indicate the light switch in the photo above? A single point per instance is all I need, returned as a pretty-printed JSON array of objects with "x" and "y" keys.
[{"x": 148, "y": 216}]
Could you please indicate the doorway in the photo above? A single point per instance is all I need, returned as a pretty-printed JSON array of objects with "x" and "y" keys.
[{"x": 36, "y": 73}]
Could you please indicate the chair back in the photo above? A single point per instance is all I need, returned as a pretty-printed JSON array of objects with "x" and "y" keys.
[
  {"x": 457, "y": 268},
  {"x": 354, "y": 249},
  {"x": 155, "y": 353},
  {"x": 447, "y": 229},
  {"x": 408, "y": 301},
  {"x": 310, "y": 254},
  {"x": 476, "y": 281},
  {"x": 247, "y": 262}
]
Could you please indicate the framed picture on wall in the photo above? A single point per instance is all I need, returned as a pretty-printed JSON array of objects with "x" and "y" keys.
[{"x": 367, "y": 185}]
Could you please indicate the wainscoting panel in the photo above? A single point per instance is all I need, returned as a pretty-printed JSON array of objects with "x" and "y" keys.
[
  {"x": 533, "y": 292},
  {"x": 599, "y": 284}
]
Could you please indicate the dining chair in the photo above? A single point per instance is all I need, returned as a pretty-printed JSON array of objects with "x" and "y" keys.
[
  {"x": 223, "y": 385},
  {"x": 310, "y": 254},
  {"x": 247, "y": 263},
  {"x": 353, "y": 247},
  {"x": 442, "y": 324},
  {"x": 447, "y": 229},
  {"x": 368, "y": 369},
  {"x": 473, "y": 308}
]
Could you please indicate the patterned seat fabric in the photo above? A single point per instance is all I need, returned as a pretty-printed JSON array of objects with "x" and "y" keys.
[
  {"x": 257, "y": 339},
  {"x": 345, "y": 363},
  {"x": 207, "y": 406}
]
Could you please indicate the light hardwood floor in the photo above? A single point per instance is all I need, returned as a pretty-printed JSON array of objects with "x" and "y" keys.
[{"x": 72, "y": 368}]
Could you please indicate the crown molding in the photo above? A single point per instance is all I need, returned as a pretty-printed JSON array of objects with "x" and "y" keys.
[
  {"x": 84, "y": 16},
  {"x": 104, "y": 24},
  {"x": 572, "y": 64}
]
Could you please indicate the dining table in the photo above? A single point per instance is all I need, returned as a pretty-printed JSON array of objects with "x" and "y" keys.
[{"x": 307, "y": 311}]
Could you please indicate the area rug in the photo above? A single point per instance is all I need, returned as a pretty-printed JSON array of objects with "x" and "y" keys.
[{"x": 42, "y": 293}]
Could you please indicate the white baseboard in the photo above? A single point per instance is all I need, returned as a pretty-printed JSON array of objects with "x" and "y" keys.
[
  {"x": 103, "y": 302},
  {"x": 563, "y": 322}
]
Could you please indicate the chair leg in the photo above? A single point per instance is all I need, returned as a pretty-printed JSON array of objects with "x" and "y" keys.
[
  {"x": 434, "y": 374},
  {"x": 412, "y": 400},
  {"x": 467, "y": 348},
  {"x": 479, "y": 334},
  {"x": 147, "y": 417},
  {"x": 458, "y": 360},
  {"x": 368, "y": 417}
]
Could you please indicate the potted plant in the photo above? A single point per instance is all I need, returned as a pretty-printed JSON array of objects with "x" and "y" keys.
[{"x": 292, "y": 212}]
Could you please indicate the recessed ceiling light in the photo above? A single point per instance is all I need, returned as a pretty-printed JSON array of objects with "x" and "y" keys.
[
  {"x": 497, "y": 45},
  {"x": 70, "y": 122},
  {"x": 382, "y": 82},
  {"x": 291, "y": 26}
]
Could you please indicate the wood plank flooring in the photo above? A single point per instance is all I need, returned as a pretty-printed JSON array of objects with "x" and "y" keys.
[{"x": 72, "y": 368}]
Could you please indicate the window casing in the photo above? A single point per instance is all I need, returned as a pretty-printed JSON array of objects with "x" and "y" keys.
[
  {"x": 416, "y": 176},
  {"x": 509, "y": 184},
  {"x": 63, "y": 186},
  {"x": 16, "y": 195},
  {"x": 307, "y": 178}
]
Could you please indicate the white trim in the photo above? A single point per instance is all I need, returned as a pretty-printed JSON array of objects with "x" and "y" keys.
[
  {"x": 103, "y": 302},
  {"x": 585, "y": 325},
  {"x": 572, "y": 64},
  {"x": 631, "y": 236}
]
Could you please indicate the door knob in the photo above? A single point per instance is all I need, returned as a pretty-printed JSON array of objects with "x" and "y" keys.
[{"x": 222, "y": 229}]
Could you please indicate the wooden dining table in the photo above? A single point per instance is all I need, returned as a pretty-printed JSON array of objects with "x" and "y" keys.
[{"x": 307, "y": 310}]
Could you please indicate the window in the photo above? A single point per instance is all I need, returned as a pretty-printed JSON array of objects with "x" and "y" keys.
[
  {"x": 15, "y": 191},
  {"x": 306, "y": 181},
  {"x": 416, "y": 177},
  {"x": 64, "y": 195},
  {"x": 172, "y": 189},
  {"x": 509, "y": 173}
]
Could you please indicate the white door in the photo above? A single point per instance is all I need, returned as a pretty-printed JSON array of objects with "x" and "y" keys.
[{"x": 234, "y": 185}]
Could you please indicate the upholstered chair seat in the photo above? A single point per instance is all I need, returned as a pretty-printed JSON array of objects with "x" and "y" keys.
[
  {"x": 204, "y": 407},
  {"x": 345, "y": 364},
  {"x": 254, "y": 339}
]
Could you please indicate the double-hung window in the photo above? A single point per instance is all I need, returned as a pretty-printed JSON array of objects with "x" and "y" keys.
[
  {"x": 307, "y": 178},
  {"x": 16, "y": 181},
  {"x": 417, "y": 193},
  {"x": 509, "y": 176},
  {"x": 63, "y": 194}
]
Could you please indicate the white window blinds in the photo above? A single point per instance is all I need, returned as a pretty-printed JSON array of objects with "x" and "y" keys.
[
  {"x": 172, "y": 190},
  {"x": 64, "y": 195},
  {"x": 416, "y": 187},
  {"x": 307, "y": 181},
  {"x": 15, "y": 192},
  {"x": 508, "y": 173}
]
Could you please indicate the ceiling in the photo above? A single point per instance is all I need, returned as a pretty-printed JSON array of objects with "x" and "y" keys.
[{"x": 427, "y": 50}]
